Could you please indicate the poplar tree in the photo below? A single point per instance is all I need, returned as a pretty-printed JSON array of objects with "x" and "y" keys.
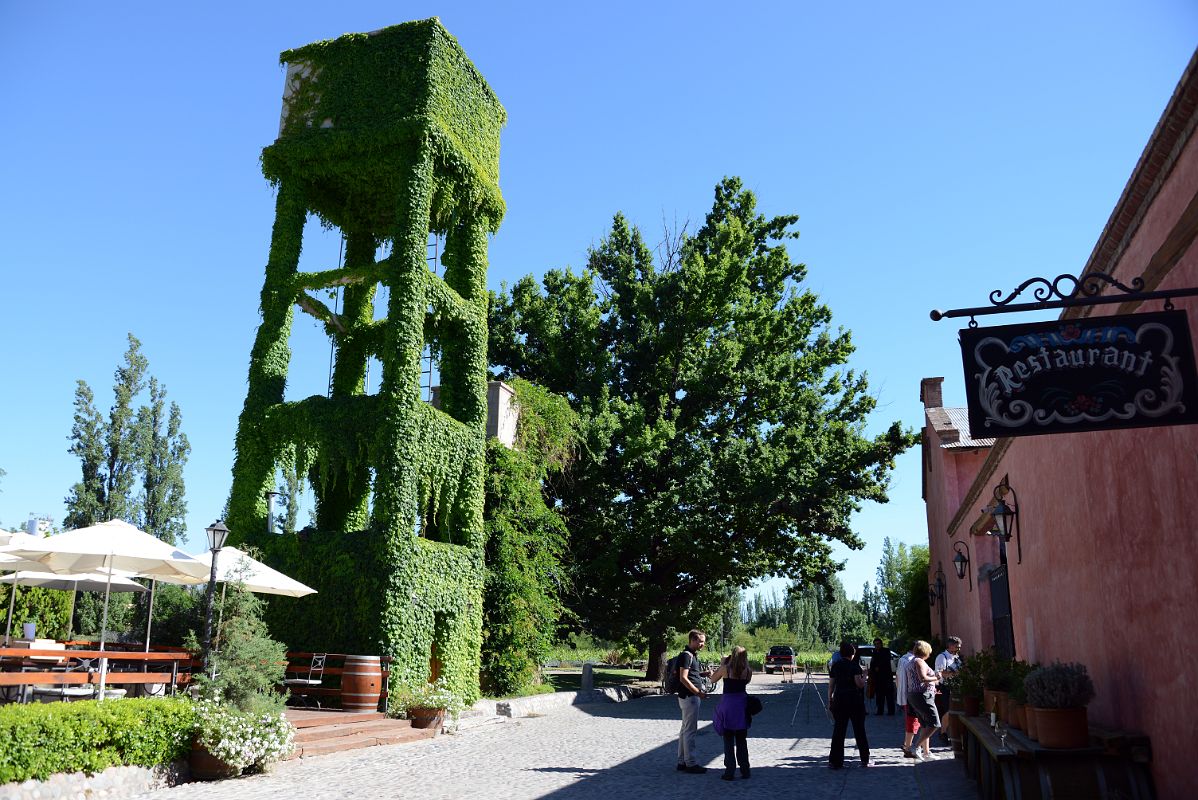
[
  {"x": 107, "y": 448},
  {"x": 131, "y": 465},
  {"x": 162, "y": 450}
]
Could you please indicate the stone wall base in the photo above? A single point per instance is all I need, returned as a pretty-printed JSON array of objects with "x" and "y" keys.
[{"x": 113, "y": 783}]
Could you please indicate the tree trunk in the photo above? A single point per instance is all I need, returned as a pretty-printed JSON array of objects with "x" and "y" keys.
[{"x": 657, "y": 656}]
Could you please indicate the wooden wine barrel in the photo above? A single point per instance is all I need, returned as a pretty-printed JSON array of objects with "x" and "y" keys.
[{"x": 361, "y": 683}]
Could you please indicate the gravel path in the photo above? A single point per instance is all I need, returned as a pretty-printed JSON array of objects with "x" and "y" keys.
[{"x": 606, "y": 751}]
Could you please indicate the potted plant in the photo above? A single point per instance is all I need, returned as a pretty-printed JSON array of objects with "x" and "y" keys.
[
  {"x": 1017, "y": 696},
  {"x": 1058, "y": 694},
  {"x": 239, "y": 715},
  {"x": 969, "y": 684},
  {"x": 426, "y": 705},
  {"x": 228, "y": 740},
  {"x": 956, "y": 703},
  {"x": 996, "y": 683}
]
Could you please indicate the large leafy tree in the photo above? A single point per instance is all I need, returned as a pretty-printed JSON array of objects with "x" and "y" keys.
[{"x": 724, "y": 436}]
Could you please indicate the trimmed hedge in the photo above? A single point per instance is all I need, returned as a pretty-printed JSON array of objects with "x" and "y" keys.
[{"x": 41, "y": 739}]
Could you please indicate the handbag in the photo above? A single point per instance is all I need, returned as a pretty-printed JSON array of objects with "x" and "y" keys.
[{"x": 753, "y": 705}]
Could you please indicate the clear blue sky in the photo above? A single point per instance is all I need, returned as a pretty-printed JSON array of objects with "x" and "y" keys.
[{"x": 934, "y": 152}]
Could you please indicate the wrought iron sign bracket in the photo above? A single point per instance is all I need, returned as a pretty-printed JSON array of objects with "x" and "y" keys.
[{"x": 1069, "y": 292}]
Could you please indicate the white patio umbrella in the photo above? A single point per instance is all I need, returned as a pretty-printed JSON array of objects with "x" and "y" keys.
[
  {"x": 234, "y": 566},
  {"x": 83, "y": 581},
  {"x": 87, "y": 581},
  {"x": 112, "y": 545},
  {"x": 11, "y": 563}
]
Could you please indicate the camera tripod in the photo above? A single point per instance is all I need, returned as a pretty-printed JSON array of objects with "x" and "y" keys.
[{"x": 807, "y": 683}]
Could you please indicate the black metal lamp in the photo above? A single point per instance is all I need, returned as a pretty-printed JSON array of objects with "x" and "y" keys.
[
  {"x": 218, "y": 534},
  {"x": 1006, "y": 516},
  {"x": 961, "y": 562},
  {"x": 936, "y": 589},
  {"x": 938, "y": 597}
]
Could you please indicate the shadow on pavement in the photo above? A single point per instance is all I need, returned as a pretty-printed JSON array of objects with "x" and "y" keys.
[{"x": 791, "y": 759}]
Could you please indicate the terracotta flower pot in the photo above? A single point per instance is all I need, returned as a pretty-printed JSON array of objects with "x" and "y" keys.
[
  {"x": 1030, "y": 727},
  {"x": 995, "y": 703},
  {"x": 972, "y": 705},
  {"x": 207, "y": 767},
  {"x": 1016, "y": 716},
  {"x": 426, "y": 717},
  {"x": 1062, "y": 727}
]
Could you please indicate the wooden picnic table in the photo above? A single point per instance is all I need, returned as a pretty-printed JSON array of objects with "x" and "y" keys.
[{"x": 26, "y": 667}]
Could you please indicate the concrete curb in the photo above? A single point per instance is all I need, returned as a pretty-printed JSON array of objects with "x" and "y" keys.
[{"x": 539, "y": 704}]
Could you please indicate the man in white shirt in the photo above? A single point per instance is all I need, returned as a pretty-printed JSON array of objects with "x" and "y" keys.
[
  {"x": 948, "y": 663},
  {"x": 910, "y": 723}
]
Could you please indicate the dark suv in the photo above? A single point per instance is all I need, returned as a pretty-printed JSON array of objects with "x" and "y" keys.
[{"x": 779, "y": 656}]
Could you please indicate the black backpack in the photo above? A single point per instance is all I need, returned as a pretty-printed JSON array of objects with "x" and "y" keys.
[{"x": 670, "y": 683}]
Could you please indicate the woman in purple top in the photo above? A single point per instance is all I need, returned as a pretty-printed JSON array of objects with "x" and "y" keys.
[{"x": 732, "y": 714}]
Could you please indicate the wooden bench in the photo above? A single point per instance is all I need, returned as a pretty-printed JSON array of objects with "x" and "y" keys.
[
  {"x": 1114, "y": 765},
  {"x": 297, "y": 666}
]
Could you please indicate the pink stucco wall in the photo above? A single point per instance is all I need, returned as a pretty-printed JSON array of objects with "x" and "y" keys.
[
  {"x": 1110, "y": 556},
  {"x": 950, "y": 475}
]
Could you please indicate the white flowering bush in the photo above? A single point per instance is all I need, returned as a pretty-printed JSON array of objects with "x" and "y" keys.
[
  {"x": 426, "y": 695},
  {"x": 242, "y": 739}
]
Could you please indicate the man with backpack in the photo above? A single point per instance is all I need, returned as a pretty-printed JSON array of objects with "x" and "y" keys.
[{"x": 684, "y": 674}]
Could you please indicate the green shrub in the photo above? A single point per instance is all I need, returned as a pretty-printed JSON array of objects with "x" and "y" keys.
[
  {"x": 1019, "y": 672},
  {"x": 248, "y": 663},
  {"x": 969, "y": 678},
  {"x": 1059, "y": 685},
  {"x": 49, "y": 608},
  {"x": 41, "y": 739}
]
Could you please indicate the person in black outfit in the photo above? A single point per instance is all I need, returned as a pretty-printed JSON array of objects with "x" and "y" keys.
[
  {"x": 882, "y": 679},
  {"x": 847, "y": 705}
]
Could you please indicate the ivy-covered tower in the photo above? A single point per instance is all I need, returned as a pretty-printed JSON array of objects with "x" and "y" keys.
[{"x": 388, "y": 136}]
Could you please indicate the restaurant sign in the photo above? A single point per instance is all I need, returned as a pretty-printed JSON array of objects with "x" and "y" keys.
[{"x": 1090, "y": 374}]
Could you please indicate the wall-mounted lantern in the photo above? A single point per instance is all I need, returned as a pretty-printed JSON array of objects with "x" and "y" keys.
[
  {"x": 1006, "y": 516},
  {"x": 961, "y": 561}
]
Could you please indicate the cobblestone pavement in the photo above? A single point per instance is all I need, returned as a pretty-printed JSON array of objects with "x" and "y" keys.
[{"x": 607, "y": 751}]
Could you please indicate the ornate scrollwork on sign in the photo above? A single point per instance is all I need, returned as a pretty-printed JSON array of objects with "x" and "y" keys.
[{"x": 1090, "y": 285}]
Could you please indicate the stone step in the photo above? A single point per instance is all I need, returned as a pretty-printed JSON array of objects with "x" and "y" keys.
[
  {"x": 358, "y": 740},
  {"x": 310, "y": 718},
  {"x": 380, "y": 726}
]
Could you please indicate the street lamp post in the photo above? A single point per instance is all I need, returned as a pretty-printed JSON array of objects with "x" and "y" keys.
[
  {"x": 270, "y": 511},
  {"x": 218, "y": 534}
]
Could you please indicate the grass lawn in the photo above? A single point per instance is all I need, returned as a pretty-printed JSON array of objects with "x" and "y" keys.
[{"x": 570, "y": 681}]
